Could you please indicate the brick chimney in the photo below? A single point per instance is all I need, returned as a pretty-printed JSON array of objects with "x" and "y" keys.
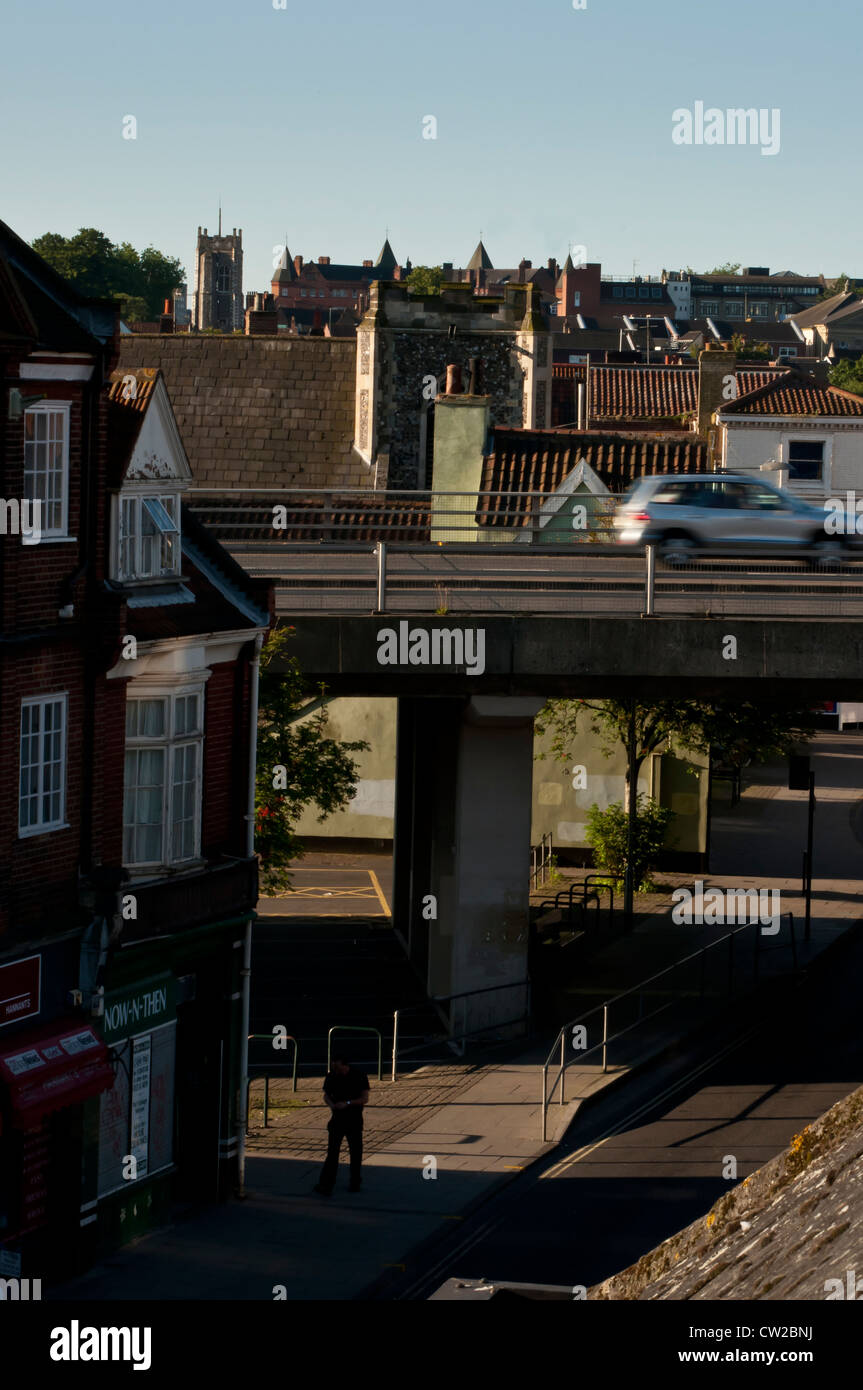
[
  {"x": 461, "y": 424},
  {"x": 368, "y": 265},
  {"x": 298, "y": 264},
  {"x": 323, "y": 260},
  {"x": 717, "y": 385},
  {"x": 166, "y": 318}
]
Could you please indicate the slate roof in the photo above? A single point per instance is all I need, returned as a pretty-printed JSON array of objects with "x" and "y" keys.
[
  {"x": 64, "y": 319},
  {"x": 480, "y": 260},
  {"x": 796, "y": 395},
  {"x": 268, "y": 411},
  {"x": 286, "y": 271}
]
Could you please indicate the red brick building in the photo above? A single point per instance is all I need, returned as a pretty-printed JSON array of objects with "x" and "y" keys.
[
  {"x": 323, "y": 288},
  {"x": 128, "y": 644}
]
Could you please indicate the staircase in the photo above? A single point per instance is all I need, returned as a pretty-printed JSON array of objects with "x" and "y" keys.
[{"x": 309, "y": 974}]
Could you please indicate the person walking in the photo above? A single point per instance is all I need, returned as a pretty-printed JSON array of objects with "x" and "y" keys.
[{"x": 346, "y": 1093}]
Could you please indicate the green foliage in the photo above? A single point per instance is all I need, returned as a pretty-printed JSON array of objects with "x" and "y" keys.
[
  {"x": 95, "y": 266},
  {"x": 752, "y": 352},
  {"x": 848, "y": 376},
  {"x": 318, "y": 770},
  {"x": 729, "y": 268},
  {"x": 425, "y": 279},
  {"x": 607, "y": 833},
  {"x": 738, "y": 731}
]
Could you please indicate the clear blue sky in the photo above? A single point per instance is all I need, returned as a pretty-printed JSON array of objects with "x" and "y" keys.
[{"x": 554, "y": 127}]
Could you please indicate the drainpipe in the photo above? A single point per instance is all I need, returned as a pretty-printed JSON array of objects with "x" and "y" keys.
[{"x": 246, "y": 972}]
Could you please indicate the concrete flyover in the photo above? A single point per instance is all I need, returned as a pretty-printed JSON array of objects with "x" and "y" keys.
[{"x": 577, "y": 655}]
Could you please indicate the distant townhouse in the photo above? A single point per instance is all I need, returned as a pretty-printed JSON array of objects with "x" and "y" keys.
[
  {"x": 313, "y": 292},
  {"x": 753, "y": 294},
  {"x": 834, "y": 327},
  {"x": 802, "y": 433}
]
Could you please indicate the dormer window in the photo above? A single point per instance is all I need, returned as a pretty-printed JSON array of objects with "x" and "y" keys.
[{"x": 148, "y": 543}]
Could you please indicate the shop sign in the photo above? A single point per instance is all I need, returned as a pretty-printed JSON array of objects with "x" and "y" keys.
[{"x": 20, "y": 989}]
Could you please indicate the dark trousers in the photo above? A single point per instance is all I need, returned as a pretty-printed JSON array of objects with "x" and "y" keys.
[{"x": 340, "y": 1129}]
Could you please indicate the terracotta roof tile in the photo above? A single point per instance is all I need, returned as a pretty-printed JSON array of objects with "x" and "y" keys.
[{"x": 796, "y": 395}]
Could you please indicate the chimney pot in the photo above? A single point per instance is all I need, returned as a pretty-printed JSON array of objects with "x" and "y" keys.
[{"x": 453, "y": 379}]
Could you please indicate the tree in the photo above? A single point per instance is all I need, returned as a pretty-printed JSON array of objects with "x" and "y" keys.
[
  {"x": 848, "y": 376},
  {"x": 607, "y": 833},
  {"x": 425, "y": 279},
  {"x": 299, "y": 764},
  {"x": 729, "y": 268},
  {"x": 739, "y": 731},
  {"x": 97, "y": 267},
  {"x": 752, "y": 352}
]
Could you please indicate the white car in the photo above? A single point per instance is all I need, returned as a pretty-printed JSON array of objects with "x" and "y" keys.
[{"x": 687, "y": 514}]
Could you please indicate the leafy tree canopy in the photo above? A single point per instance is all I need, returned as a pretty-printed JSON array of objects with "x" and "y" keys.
[
  {"x": 95, "y": 266},
  {"x": 729, "y": 268},
  {"x": 731, "y": 731},
  {"x": 848, "y": 375},
  {"x": 425, "y": 279},
  {"x": 299, "y": 764}
]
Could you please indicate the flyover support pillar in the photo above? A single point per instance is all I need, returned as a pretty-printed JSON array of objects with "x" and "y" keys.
[{"x": 463, "y": 817}]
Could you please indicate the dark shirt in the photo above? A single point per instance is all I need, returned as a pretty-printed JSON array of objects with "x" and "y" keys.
[{"x": 349, "y": 1087}]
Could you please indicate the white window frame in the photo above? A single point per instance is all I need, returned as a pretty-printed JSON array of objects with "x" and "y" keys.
[
  {"x": 171, "y": 742},
  {"x": 63, "y": 408},
  {"x": 826, "y": 443},
  {"x": 137, "y": 498},
  {"x": 41, "y": 827}
]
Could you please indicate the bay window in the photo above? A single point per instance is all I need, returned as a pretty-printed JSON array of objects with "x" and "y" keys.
[{"x": 162, "y": 792}]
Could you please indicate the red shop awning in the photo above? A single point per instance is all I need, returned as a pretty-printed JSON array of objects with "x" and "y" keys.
[{"x": 52, "y": 1067}]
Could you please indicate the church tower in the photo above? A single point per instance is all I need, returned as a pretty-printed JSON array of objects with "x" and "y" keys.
[{"x": 219, "y": 280}]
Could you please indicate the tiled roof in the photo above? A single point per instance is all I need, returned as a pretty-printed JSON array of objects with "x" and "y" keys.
[
  {"x": 126, "y": 415},
  {"x": 540, "y": 461},
  {"x": 796, "y": 395},
  {"x": 311, "y": 519},
  {"x": 781, "y": 277},
  {"x": 656, "y": 393}
]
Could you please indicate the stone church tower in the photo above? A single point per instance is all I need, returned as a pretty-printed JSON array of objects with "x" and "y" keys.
[{"x": 219, "y": 281}]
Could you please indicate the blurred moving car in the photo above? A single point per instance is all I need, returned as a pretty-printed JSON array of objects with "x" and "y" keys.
[{"x": 686, "y": 514}]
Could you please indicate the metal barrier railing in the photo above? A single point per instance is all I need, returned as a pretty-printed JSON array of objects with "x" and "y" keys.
[
  {"x": 591, "y": 887},
  {"x": 352, "y": 1028},
  {"x": 540, "y": 860},
  {"x": 269, "y": 1037},
  {"x": 637, "y": 992},
  {"x": 450, "y": 1037}
]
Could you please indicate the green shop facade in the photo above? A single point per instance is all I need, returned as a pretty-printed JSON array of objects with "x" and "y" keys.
[{"x": 167, "y": 1132}]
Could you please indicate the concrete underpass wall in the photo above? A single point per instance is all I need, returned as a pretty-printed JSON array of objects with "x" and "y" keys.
[
  {"x": 558, "y": 807},
  {"x": 561, "y": 804}
]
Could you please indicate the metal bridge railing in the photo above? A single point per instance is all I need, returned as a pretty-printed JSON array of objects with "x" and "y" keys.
[
  {"x": 450, "y": 1037},
  {"x": 635, "y": 996}
]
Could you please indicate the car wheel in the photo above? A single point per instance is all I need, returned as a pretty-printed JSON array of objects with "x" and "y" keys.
[
  {"x": 677, "y": 551},
  {"x": 826, "y": 554}
]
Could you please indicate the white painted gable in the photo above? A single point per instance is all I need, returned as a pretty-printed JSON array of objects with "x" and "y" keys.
[
  {"x": 582, "y": 476},
  {"x": 159, "y": 451}
]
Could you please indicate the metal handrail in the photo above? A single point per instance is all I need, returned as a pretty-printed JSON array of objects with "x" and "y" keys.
[
  {"x": 701, "y": 954},
  {"x": 457, "y": 1037},
  {"x": 269, "y": 1037},
  {"x": 353, "y": 1028}
]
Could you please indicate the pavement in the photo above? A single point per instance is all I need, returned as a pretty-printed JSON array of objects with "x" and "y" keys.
[{"x": 441, "y": 1140}]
